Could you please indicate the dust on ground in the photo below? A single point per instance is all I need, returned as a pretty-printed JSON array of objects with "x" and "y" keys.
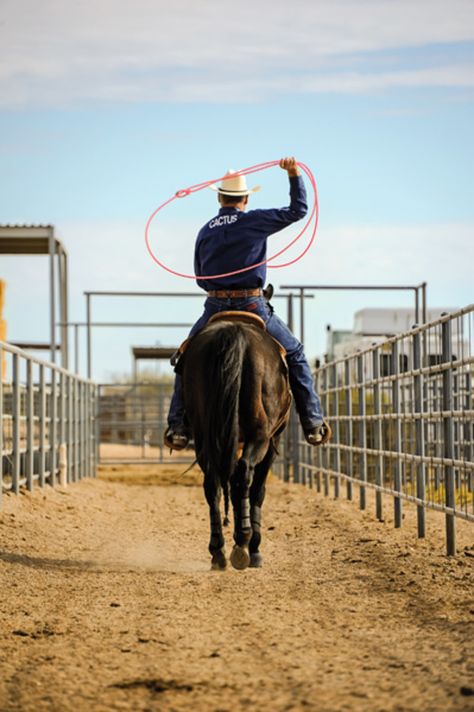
[{"x": 107, "y": 602}]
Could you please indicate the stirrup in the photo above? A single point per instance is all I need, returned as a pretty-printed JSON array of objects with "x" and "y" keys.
[
  {"x": 175, "y": 440},
  {"x": 319, "y": 435}
]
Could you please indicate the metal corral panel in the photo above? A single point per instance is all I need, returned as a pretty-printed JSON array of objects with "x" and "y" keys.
[{"x": 131, "y": 421}]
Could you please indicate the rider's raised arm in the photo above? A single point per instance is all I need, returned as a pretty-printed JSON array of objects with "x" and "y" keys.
[{"x": 273, "y": 220}]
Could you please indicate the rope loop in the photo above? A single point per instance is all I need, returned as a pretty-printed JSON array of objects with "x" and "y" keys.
[{"x": 185, "y": 192}]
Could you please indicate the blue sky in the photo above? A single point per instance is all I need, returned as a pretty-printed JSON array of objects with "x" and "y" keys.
[{"x": 107, "y": 108}]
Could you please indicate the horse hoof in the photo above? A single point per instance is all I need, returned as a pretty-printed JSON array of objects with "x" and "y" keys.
[
  {"x": 218, "y": 562},
  {"x": 256, "y": 560},
  {"x": 240, "y": 557}
]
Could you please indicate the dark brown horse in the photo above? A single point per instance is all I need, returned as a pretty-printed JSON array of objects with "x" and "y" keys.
[{"x": 237, "y": 399}]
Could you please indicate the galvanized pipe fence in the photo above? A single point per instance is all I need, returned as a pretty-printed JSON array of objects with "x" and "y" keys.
[
  {"x": 402, "y": 414},
  {"x": 131, "y": 421},
  {"x": 47, "y": 423}
]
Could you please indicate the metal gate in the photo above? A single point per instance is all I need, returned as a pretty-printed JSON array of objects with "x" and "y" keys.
[{"x": 131, "y": 421}]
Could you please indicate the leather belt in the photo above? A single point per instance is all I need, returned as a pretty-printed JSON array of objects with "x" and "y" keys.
[{"x": 235, "y": 293}]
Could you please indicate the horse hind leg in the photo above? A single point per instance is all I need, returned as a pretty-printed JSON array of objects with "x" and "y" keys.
[
  {"x": 240, "y": 483},
  {"x": 257, "y": 496},
  {"x": 256, "y": 558},
  {"x": 216, "y": 542}
]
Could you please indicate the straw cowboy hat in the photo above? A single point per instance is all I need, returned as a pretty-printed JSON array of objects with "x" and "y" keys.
[{"x": 234, "y": 184}]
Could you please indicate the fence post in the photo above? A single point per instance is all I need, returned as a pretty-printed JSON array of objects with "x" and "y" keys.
[
  {"x": 349, "y": 435},
  {"x": 362, "y": 431},
  {"x": 448, "y": 431},
  {"x": 75, "y": 400},
  {"x": 70, "y": 431},
  {"x": 336, "y": 431},
  {"x": 468, "y": 429},
  {"x": 63, "y": 464},
  {"x": 377, "y": 433},
  {"x": 97, "y": 431},
  {"x": 457, "y": 436},
  {"x": 317, "y": 458},
  {"x": 397, "y": 480},
  {"x": 84, "y": 430},
  {"x": 29, "y": 425},
  {"x": 87, "y": 443},
  {"x": 53, "y": 428},
  {"x": 1, "y": 424},
  {"x": 326, "y": 454},
  {"x": 90, "y": 431},
  {"x": 418, "y": 387},
  {"x": 16, "y": 425},
  {"x": 314, "y": 456},
  {"x": 42, "y": 426},
  {"x": 81, "y": 430},
  {"x": 93, "y": 428}
]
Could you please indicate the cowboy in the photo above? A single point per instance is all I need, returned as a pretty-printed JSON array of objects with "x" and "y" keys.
[{"x": 237, "y": 238}]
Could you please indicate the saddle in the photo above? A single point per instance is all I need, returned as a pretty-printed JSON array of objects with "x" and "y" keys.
[{"x": 240, "y": 316}]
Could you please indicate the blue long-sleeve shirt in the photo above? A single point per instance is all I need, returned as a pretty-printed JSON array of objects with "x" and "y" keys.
[{"x": 235, "y": 238}]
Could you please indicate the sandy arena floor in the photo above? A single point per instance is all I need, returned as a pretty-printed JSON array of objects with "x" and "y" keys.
[{"x": 107, "y": 602}]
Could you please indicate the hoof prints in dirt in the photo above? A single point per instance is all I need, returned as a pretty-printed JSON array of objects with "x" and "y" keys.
[
  {"x": 44, "y": 632},
  {"x": 155, "y": 685}
]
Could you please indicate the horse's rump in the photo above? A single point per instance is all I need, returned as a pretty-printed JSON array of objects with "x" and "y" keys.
[{"x": 235, "y": 387}]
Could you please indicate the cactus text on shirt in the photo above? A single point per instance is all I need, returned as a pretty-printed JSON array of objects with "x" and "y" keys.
[{"x": 223, "y": 220}]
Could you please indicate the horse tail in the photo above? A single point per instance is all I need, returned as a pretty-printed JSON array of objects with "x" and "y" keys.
[{"x": 224, "y": 375}]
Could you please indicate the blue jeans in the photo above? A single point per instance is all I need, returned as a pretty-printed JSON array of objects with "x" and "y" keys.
[{"x": 307, "y": 401}]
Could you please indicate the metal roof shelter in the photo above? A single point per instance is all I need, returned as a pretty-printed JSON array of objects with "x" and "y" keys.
[
  {"x": 150, "y": 353},
  {"x": 40, "y": 240}
]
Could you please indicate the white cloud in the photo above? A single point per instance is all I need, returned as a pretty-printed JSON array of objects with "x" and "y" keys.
[
  {"x": 405, "y": 254},
  {"x": 56, "y": 52}
]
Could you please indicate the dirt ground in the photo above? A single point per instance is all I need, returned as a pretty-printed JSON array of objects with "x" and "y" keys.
[{"x": 107, "y": 602}]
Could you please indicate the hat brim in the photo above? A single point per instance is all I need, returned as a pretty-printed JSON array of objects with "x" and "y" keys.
[{"x": 236, "y": 193}]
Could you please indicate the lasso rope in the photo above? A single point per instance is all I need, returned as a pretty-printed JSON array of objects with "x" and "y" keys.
[{"x": 184, "y": 193}]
